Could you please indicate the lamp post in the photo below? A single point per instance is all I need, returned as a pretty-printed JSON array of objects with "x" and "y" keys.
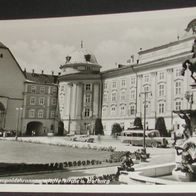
[
  {"x": 144, "y": 135},
  {"x": 19, "y": 110}
]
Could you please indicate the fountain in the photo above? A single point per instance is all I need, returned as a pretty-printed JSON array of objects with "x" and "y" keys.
[{"x": 185, "y": 169}]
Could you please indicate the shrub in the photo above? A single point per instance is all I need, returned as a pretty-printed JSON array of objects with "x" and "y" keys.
[
  {"x": 98, "y": 127},
  {"x": 138, "y": 123},
  {"x": 160, "y": 126},
  {"x": 116, "y": 129}
]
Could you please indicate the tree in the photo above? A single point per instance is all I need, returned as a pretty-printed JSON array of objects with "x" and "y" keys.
[
  {"x": 98, "y": 127},
  {"x": 138, "y": 123},
  {"x": 160, "y": 126},
  {"x": 116, "y": 129}
]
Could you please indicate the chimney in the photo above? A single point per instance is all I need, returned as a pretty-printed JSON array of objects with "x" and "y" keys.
[
  {"x": 52, "y": 73},
  {"x": 25, "y": 70},
  {"x": 42, "y": 72},
  {"x": 132, "y": 57},
  {"x": 33, "y": 71}
]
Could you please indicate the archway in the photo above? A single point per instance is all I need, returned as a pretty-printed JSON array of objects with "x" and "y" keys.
[
  {"x": 2, "y": 115},
  {"x": 34, "y": 128},
  {"x": 60, "y": 128}
]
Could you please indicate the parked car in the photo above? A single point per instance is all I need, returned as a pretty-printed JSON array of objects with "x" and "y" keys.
[
  {"x": 152, "y": 138},
  {"x": 82, "y": 138},
  {"x": 7, "y": 133}
]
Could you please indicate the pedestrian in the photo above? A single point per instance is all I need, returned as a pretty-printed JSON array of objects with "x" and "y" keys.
[{"x": 126, "y": 164}]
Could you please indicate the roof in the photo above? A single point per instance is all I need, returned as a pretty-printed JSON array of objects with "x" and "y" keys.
[
  {"x": 41, "y": 78},
  {"x": 81, "y": 56},
  {"x": 166, "y": 45},
  {"x": 2, "y": 45}
]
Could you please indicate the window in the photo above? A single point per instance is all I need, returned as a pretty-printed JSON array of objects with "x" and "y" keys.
[
  {"x": 88, "y": 98},
  {"x": 133, "y": 80},
  {"x": 62, "y": 88},
  {"x": 88, "y": 87},
  {"x": 178, "y": 88},
  {"x": 113, "y": 84},
  {"x": 52, "y": 114},
  {"x": 42, "y": 89},
  {"x": 54, "y": 90},
  {"x": 105, "y": 85},
  {"x": 161, "y": 76},
  {"x": 41, "y": 101},
  {"x": 32, "y": 100},
  {"x": 178, "y": 105},
  {"x": 53, "y": 101},
  {"x": 132, "y": 109},
  {"x": 178, "y": 72},
  {"x": 161, "y": 90},
  {"x": 113, "y": 96},
  {"x": 161, "y": 108},
  {"x": 122, "y": 96},
  {"x": 87, "y": 112},
  {"x": 40, "y": 114},
  {"x": 123, "y": 83},
  {"x": 122, "y": 110},
  {"x": 33, "y": 89},
  {"x": 113, "y": 110},
  {"x": 105, "y": 97},
  {"x": 146, "y": 78},
  {"x": 31, "y": 113},
  {"x": 132, "y": 94},
  {"x": 146, "y": 89}
]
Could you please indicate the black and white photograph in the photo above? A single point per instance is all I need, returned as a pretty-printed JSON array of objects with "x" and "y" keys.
[{"x": 99, "y": 100}]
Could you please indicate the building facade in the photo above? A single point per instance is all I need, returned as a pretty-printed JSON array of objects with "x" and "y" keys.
[
  {"x": 80, "y": 91},
  {"x": 40, "y": 115},
  {"x": 159, "y": 73}
]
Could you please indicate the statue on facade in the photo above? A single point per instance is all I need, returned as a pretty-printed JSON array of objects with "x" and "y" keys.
[{"x": 190, "y": 63}]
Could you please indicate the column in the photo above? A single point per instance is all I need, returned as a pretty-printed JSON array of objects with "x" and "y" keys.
[
  {"x": 139, "y": 99},
  {"x": 73, "y": 102},
  {"x": 153, "y": 98},
  {"x": 78, "y": 100},
  {"x": 96, "y": 100},
  {"x": 169, "y": 91}
]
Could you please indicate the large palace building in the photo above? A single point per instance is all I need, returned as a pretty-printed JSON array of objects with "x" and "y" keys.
[{"x": 39, "y": 104}]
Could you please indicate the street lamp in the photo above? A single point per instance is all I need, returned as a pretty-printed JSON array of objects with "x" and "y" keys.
[
  {"x": 19, "y": 110},
  {"x": 144, "y": 135}
]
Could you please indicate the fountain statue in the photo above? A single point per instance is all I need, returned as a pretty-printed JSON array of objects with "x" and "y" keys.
[{"x": 185, "y": 169}]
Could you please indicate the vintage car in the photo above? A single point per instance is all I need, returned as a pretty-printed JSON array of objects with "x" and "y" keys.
[{"x": 152, "y": 138}]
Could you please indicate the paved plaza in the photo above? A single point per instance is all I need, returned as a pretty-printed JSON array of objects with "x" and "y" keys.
[{"x": 39, "y": 151}]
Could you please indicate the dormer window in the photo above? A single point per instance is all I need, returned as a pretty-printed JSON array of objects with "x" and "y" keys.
[
  {"x": 87, "y": 57},
  {"x": 68, "y": 58}
]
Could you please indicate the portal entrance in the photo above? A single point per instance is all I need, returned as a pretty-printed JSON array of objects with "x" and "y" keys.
[
  {"x": 34, "y": 128},
  {"x": 2, "y": 115}
]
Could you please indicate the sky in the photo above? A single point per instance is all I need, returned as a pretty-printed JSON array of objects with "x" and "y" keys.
[{"x": 43, "y": 44}]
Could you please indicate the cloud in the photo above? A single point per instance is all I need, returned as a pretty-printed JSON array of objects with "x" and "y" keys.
[
  {"x": 40, "y": 55},
  {"x": 141, "y": 37},
  {"x": 113, "y": 52}
]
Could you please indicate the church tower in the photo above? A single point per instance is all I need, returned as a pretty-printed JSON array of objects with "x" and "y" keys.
[{"x": 80, "y": 92}]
